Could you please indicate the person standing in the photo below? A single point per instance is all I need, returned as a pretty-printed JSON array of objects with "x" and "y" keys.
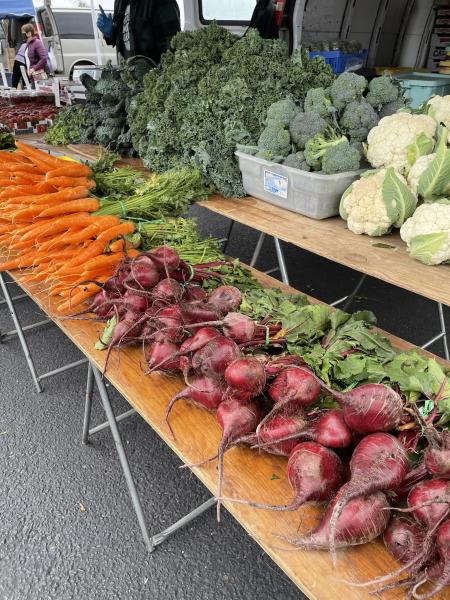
[
  {"x": 19, "y": 61},
  {"x": 141, "y": 27},
  {"x": 35, "y": 53}
]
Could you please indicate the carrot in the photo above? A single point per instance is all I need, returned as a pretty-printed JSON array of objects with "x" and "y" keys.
[
  {"x": 56, "y": 197},
  {"x": 15, "y": 191},
  {"x": 73, "y": 206},
  {"x": 52, "y": 226},
  {"x": 63, "y": 182},
  {"x": 76, "y": 299},
  {"x": 70, "y": 170},
  {"x": 31, "y": 152}
]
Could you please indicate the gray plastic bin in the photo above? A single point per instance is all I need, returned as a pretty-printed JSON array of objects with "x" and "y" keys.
[{"x": 312, "y": 194}]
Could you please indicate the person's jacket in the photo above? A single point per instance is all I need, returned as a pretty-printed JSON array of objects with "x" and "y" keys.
[
  {"x": 153, "y": 23},
  {"x": 37, "y": 54}
]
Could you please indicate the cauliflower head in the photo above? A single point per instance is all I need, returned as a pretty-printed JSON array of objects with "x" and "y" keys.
[
  {"x": 427, "y": 233},
  {"x": 376, "y": 202},
  {"x": 439, "y": 110},
  {"x": 417, "y": 170},
  {"x": 389, "y": 143}
]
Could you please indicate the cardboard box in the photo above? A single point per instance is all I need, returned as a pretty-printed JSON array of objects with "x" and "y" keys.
[{"x": 438, "y": 45}]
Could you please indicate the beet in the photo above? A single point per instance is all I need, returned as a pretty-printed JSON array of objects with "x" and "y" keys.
[
  {"x": 143, "y": 275},
  {"x": 281, "y": 433},
  {"x": 276, "y": 365},
  {"x": 294, "y": 387},
  {"x": 443, "y": 548},
  {"x": 437, "y": 457},
  {"x": 214, "y": 358},
  {"x": 203, "y": 391},
  {"x": 420, "y": 501},
  {"x": 168, "y": 290},
  {"x": 132, "y": 302},
  {"x": 370, "y": 407},
  {"x": 225, "y": 298},
  {"x": 236, "y": 419},
  {"x": 314, "y": 473},
  {"x": 165, "y": 257},
  {"x": 238, "y": 327},
  {"x": 194, "y": 293},
  {"x": 246, "y": 376},
  {"x": 362, "y": 520},
  {"x": 162, "y": 353},
  {"x": 404, "y": 539},
  {"x": 199, "y": 314},
  {"x": 379, "y": 463},
  {"x": 200, "y": 338},
  {"x": 168, "y": 321}
]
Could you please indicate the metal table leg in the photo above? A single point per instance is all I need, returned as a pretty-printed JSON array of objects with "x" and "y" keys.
[
  {"x": 281, "y": 261},
  {"x": 440, "y": 336},
  {"x": 349, "y": 299},
  {"x": 88, "y": 404},
  {"x": 159, "y": 538},
  {"x": 228, "y": 236},
  {"x": 122, "y": 457},
  {"x": 258, "y": 248},
  {"x": 20, "y": 334}
]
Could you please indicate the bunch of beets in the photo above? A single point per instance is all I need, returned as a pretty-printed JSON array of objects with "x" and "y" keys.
[{"x": 265, "y": 400}]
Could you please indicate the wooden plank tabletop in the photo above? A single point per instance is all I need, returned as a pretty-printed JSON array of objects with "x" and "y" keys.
[
  {"x": 260, "y": 477},
  {"x": 331, "y": 239}
]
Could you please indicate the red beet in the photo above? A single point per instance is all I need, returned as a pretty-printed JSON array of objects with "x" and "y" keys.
[
  {"x": 437, "y": 457},
  {"x": 281, "y": 433},
  {"x": 214, "y": 358},
  {"x": 162, "y": 353},
  {"x": 200, "y": 338},
  {"x": 370, "y": 407},
  {"x": 404, "y": 539},
  {"x": 314, "y": 472},
  {"x": 168, "y": 321},
  {"x": 328, "y": 429},
  {"x": 143, "y": 275},
  {"x": 238, "y": 327},
  {"x": 165, "y": 257},
  {"x": 379, "y": 463},
  {"x": 199, "y": 314},
  {"x": 421, "y": 501},
  {"x": 132, "y": 302},
  {"x": 443, "y": 548},
  {"x": 226, "y": 298},
  {"x": 276, "y": 365},
  {"x": 236, "y": 420},
  {"x": 362, "y": 520},
  {"x": 193, "y": 293},
  {"x": 296, "y": 387},
  {"x": 168, "y": 290},
  {"x": 202, "y": 391},
  {"x": 246, "y": 376}
]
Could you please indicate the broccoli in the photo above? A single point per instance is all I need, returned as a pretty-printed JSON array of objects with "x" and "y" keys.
[
  {"x": 247, "y": 149},
  {"x": 305, "y": 126},
  {"x": 358, "y": 119},
  {"x": 269, "y": 156},
  {"x": 382, "y": 90},
  {"x": 340, "y": 158},
  {"x": 346, "y": 88},
  {"x": 318, "y": 101},
  {"x": 282, "y": 112},
  {"x": 317, "y": 146},
  {"x": 274, "y": 141},
  {"x": 297, "y": 161},
  {"x": 391, "y": 108}
]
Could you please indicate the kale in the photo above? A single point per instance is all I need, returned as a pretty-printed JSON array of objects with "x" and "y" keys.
[{"x": 212, "y": 92}]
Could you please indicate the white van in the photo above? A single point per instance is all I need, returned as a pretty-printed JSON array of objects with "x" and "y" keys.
[{"x": 69, "y": 31}]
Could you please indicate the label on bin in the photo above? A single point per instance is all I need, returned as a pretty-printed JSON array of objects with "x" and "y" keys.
[{"x": 275, "y": 184}]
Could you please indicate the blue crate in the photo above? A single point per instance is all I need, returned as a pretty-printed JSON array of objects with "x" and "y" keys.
[{"x": 340, "y": 61}]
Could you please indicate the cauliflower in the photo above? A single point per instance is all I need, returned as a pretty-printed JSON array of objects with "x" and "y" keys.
[
  {"x": 376, "y": 202},
  {"x": 427, "y": 233},
  {"x": 297, "y": 161},
  {"x": 305, "y": 126},
  {"x": 282, "y": 112},
  {"x": 382, "y": 90},
  {"x": 318, "y": 101},
  {"x": 391, "y": 140},
  {"x": 347, "y": 87},
  {"x": 417, "y": 170},
  {"x": 439, "y": 109},
  {"x": 358, "y": 119}
]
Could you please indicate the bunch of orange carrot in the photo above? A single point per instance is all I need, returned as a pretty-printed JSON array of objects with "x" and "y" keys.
[{"x": 46, "y": 226}]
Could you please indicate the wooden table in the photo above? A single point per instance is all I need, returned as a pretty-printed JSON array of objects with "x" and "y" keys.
[
  {"x": 250, "y": 475},
  {"x": 331, "y": 239}
]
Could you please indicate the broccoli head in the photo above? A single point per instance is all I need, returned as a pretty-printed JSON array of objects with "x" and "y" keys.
[
  {"x": 318, "y": 101},
  {"x": 305, "y": 126},
  {"x": 282, "y": 112},
  {"x": 358, "y": 119},
  {"x": 382, "y": 90},
  {"x": 297, "y": 161},
  {"x": 340, "y": 158},
  {"x": 318, "y": 145},
  {"x": 274, "y": 141},
  {"x": 346, "y": 88},
  {"x": 247, "y": 149}
]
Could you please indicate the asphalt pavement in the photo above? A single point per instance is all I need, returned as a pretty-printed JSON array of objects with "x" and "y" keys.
[{"x": 67, "y": 528}]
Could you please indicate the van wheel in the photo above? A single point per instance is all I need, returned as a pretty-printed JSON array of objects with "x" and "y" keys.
[{"x": 80, "y": 64}]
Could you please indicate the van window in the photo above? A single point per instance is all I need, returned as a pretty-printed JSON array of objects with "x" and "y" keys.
[
  {"x": 233, "y": 11},
  {"x": 46, "y": 22},
  {"x": 73, "y": 26}
]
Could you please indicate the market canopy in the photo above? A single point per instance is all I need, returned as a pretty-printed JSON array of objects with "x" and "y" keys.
[{"x": 16, "y": 8}]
